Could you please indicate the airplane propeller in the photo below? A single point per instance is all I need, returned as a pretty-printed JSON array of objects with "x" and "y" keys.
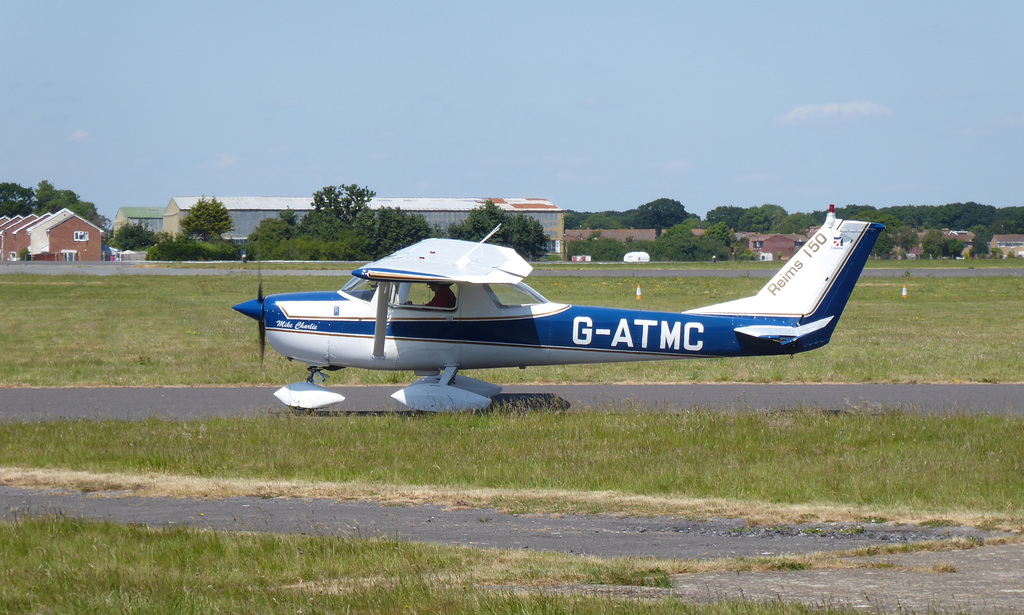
[
  {"x": 253, "y": 308},
  {"x": 262, "y": 323}
]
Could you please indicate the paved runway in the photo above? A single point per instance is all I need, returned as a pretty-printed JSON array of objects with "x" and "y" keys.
[{"x": 18, "y": 404}]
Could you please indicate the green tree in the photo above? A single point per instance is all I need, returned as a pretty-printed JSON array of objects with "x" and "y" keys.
[
  {"x": 339, "y": 211},
  {"x": 394, "y": 229},
  {"x": 345, "y": 202},
  {"x": 933, "y": 244},
  {"x": 322, "y": 225},
  {"x": 522, "y": 233},
  {"x": 762, "y": 219},
  {"x": 207, "y": 220},
  {"x": 602, "y": 220},
  {"x": 883, "y": 245},
  {"x": 49, "y": 199},
  {"x": 268, "y": 235},
  {"x": 1009, "y": 221},
  {"x": 659, "y": 214},
  {"x": 905, "y": 238},
  {"x": 721, "y": 233},
  {"x": 680, "y": 244},
  {"x": 797, "y": 223},
  {"x": 133, "y": 237},
  {"x": 729, "y": 214},
  {"x": 16, "y": 200},
  {"x": 982, "y": 239}
]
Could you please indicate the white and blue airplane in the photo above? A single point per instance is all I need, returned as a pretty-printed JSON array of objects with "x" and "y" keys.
[{"x": 443, "y": 306}]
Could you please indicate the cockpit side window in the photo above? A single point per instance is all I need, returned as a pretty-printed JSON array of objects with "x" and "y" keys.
[{"x": 431, "y": 295}]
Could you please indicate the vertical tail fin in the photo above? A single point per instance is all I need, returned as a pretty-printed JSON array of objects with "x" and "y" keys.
[{"x": 817, "y": 281}]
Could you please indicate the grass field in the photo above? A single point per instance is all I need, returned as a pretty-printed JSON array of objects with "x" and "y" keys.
[
  {"x": 803, "y": 467},
  {"x": 181, "y": 331},
  {"x": 799, "y": 466},
  {"x": 845, "y": 467},
  {"x": 63, "y": 565}
]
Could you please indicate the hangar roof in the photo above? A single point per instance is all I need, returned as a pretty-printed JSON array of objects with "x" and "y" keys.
[{"x": 275, "y": 203}]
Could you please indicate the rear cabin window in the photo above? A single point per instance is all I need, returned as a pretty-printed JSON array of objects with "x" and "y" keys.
[{"x": 513, "y": 295}]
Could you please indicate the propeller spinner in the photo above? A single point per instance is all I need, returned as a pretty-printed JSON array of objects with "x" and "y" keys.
[{"x": 254, "y": 309}]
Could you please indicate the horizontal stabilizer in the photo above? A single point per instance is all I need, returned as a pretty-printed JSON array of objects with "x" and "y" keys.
[
  {"x": 782, "y": 334},
  {"x": 307, "y": 396}
]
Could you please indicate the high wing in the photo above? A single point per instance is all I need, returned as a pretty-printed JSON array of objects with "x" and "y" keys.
[
  {"x": 441, "y": 260},
  {"x": 449, "y": 260}
]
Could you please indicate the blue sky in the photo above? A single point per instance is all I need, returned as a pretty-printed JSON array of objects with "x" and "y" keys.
[{"x": 594, "y": 105}]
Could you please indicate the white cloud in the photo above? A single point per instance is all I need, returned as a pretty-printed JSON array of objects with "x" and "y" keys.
[
  {"x": 835, "y": 112},
  {"x": 80, "y": 135}
]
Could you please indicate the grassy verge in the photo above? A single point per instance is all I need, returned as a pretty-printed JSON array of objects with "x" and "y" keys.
[
  {"x": 74, "y": 566},
  {"x": 800, "y": 466},
  {"x": 166, "y": 331}
]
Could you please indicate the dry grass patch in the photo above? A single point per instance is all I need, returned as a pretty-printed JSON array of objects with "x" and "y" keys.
[{"x": 529, "y": 501}]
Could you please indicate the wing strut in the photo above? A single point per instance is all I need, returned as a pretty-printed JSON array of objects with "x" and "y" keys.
[
  {"x": 462, "y": 262},
  {"x": 380, "y": 326}
]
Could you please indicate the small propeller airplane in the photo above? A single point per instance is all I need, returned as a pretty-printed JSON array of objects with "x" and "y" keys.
[{"x": 444, "y": 305}]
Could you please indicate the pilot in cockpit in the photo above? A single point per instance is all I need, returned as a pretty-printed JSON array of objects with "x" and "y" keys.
[{"x": 443, "y": 295}]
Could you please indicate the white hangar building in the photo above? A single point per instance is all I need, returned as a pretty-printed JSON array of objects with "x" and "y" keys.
[{"x": 247, "y": 212}]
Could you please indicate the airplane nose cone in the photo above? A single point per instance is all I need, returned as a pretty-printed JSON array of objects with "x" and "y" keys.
[{"x": 252, "y": 308}]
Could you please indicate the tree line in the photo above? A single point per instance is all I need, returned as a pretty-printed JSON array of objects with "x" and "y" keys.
[
  {"x": 341, "y": 226},
  {"x": 905, "y": 225},
  {"x": 16, "y": 200}
]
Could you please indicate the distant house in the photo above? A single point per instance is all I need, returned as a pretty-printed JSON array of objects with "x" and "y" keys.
[
  {"x": 770, "y": 247},
  {"x": 149, "y": 217},
  {"x": 59, "y": 236},
  {"x": 1010, "y": 245},
  {"x": 618, "y": 234},
  {"x": 248, "y": 212},
  {"x": 10, "y": 245}
]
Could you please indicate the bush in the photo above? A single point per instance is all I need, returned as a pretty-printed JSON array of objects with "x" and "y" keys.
[{"x": 186, "y": 249}]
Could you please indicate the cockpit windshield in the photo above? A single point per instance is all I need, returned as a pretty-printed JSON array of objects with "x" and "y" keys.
[{"x": 360, "y": 288}]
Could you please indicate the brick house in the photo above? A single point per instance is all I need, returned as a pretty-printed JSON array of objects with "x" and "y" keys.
[
  {"x": 770, "y": 247},
  {"x": 1010, "y": 245},
  {"x": 14, "y": 235},
  {"x": 65, "y": 236},
  {"x": 59, "y": 236}
]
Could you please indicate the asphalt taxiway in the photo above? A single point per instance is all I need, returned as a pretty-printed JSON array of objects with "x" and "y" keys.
[{"x": 134, "y": 403}]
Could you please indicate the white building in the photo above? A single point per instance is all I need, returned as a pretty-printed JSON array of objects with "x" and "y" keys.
[{"x": 247, "y": 212}]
